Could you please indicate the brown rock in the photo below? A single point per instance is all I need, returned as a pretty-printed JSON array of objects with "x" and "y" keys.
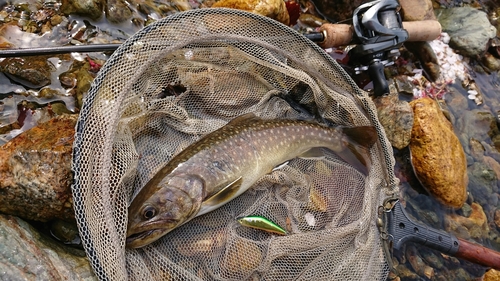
[
  {"x": 420, "y": 267},
  {"x": 413, "y": 10},
  {"x": 88, "y": 8},
  {"x": 426, "y": 55},
  {"x": 33, "y": 72},
  {"x": 437, "y": 155},
  {"x": 492, "y": 275},
  {"x": 476, "y": 149},
  {"x": 493, "y": 164},
  {"x": 476, "y": 223},
  {"x": 397, "y": 119},
  {"x": 35, "y": 171},
  {"x": 275, "y": 9},
  {"x": 497, "y": 218}
]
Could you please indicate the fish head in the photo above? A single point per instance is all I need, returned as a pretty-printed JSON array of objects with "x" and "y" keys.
[{"x": 171, "y": 205}]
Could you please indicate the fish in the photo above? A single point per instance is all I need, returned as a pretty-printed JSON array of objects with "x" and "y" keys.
[
  {"x": 259, "y": 222},
  {"x": 225, "y": 163}
]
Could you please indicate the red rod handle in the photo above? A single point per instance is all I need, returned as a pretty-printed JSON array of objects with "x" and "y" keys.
[{"x": 478, "y": 254}]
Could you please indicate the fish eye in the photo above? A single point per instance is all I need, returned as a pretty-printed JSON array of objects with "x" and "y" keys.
[{"x": 149, "y": 212}]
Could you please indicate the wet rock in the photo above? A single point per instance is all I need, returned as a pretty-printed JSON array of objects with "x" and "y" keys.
[
  {"x": 33, "y": 72},
  {"x": 456, "y": 101},
  {"x": 397, "y": 119},
  {"x": 156, "y": 10},
  {"x": 491, "y": 275},
  {"x": 490, "y": 62},
  {"x": 466, "y": 210},
  {"x": 117, "y": 11},
  {"x": 437, "y": 155},
  {"x": 80, "y": 74},
  {"x": 26, "y": 254},
  {"x": 426, "y": 55},
  {"x": 311, "y": 20},
  {"x": 88, "y": 8},
  {"x": 476, "y": 150},
  {"x": 476, "y": 224},
  {"x": 413, "y": 10},
  {"x": 483, "y": 184},
  {"x": 403, "y": 85},
  {"x": 436, "y": 261},
  {"x": 275, "y": 9},
  {"x": 405, "y": 273},
  {"x": 478, "y": 124},
  {"x": 35, "y": 171},
  {"x": 65, "y": 232},
  {"x": 493, "y": 164},
  {"x": 423, "y": 207},
  {"x": 420, "y": 267},
  {"x": 469, "y": 29},
  {"x": 459, "y": 274},
  {"x": 497, "y": 218}
]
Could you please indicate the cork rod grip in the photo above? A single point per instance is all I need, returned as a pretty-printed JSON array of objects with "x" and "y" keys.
[{"x": 342, "y": 34}]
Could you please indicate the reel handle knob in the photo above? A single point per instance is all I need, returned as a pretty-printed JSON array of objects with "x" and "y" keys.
[{"x": 376, "y": 72}]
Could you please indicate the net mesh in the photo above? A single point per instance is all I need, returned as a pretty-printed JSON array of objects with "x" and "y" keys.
[{"x": 188, "y": 75}]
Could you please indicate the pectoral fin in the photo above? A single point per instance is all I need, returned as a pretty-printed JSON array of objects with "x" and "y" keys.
[
  {"x": 315, "y": 153},
  {"x": 221, "y": 197}
]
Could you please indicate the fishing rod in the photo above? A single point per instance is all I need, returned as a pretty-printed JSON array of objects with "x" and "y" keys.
[
  {"x": 329, "y": 35},
  {"x": 39, "y": 51}
]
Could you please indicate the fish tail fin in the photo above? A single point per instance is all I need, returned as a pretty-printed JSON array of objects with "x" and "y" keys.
[
  {"x": 364, "y": 136},
  {"x": 359, "y": 141}
]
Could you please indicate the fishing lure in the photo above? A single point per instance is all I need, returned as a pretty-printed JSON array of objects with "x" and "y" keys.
[{"x": 261, "y": 223}]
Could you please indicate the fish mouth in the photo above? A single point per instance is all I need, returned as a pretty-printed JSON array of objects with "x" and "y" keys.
[
  {"x": 143, "y": 238},
  {"x": 153, "y": 232}
]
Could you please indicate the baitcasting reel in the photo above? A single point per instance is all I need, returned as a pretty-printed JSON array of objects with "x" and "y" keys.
[{"x": 379, "y": 28}]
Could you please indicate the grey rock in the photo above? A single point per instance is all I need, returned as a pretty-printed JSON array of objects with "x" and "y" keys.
[
  {"x": 469, "y": 29},
  {"x": 482, "y": 183},
  {"x": 26, "y": 254},
  {"x": 478, "y": 124}
]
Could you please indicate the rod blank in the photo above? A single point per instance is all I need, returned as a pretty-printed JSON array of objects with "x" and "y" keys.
[{"x": 58, "y": 50}]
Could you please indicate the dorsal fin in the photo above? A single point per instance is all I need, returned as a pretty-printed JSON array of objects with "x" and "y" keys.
[{"x": 243, "y": 118}]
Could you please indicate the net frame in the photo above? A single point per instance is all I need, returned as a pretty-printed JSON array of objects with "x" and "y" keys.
[{"x": 105, "y": 157}]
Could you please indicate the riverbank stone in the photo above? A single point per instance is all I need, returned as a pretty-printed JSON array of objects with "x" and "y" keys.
[
  {"x": 469, "y": 29},
  {"x": 437, "y": 156}
]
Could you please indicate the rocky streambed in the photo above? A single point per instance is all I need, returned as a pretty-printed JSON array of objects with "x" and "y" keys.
[{"x": 452, "y": 111}]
